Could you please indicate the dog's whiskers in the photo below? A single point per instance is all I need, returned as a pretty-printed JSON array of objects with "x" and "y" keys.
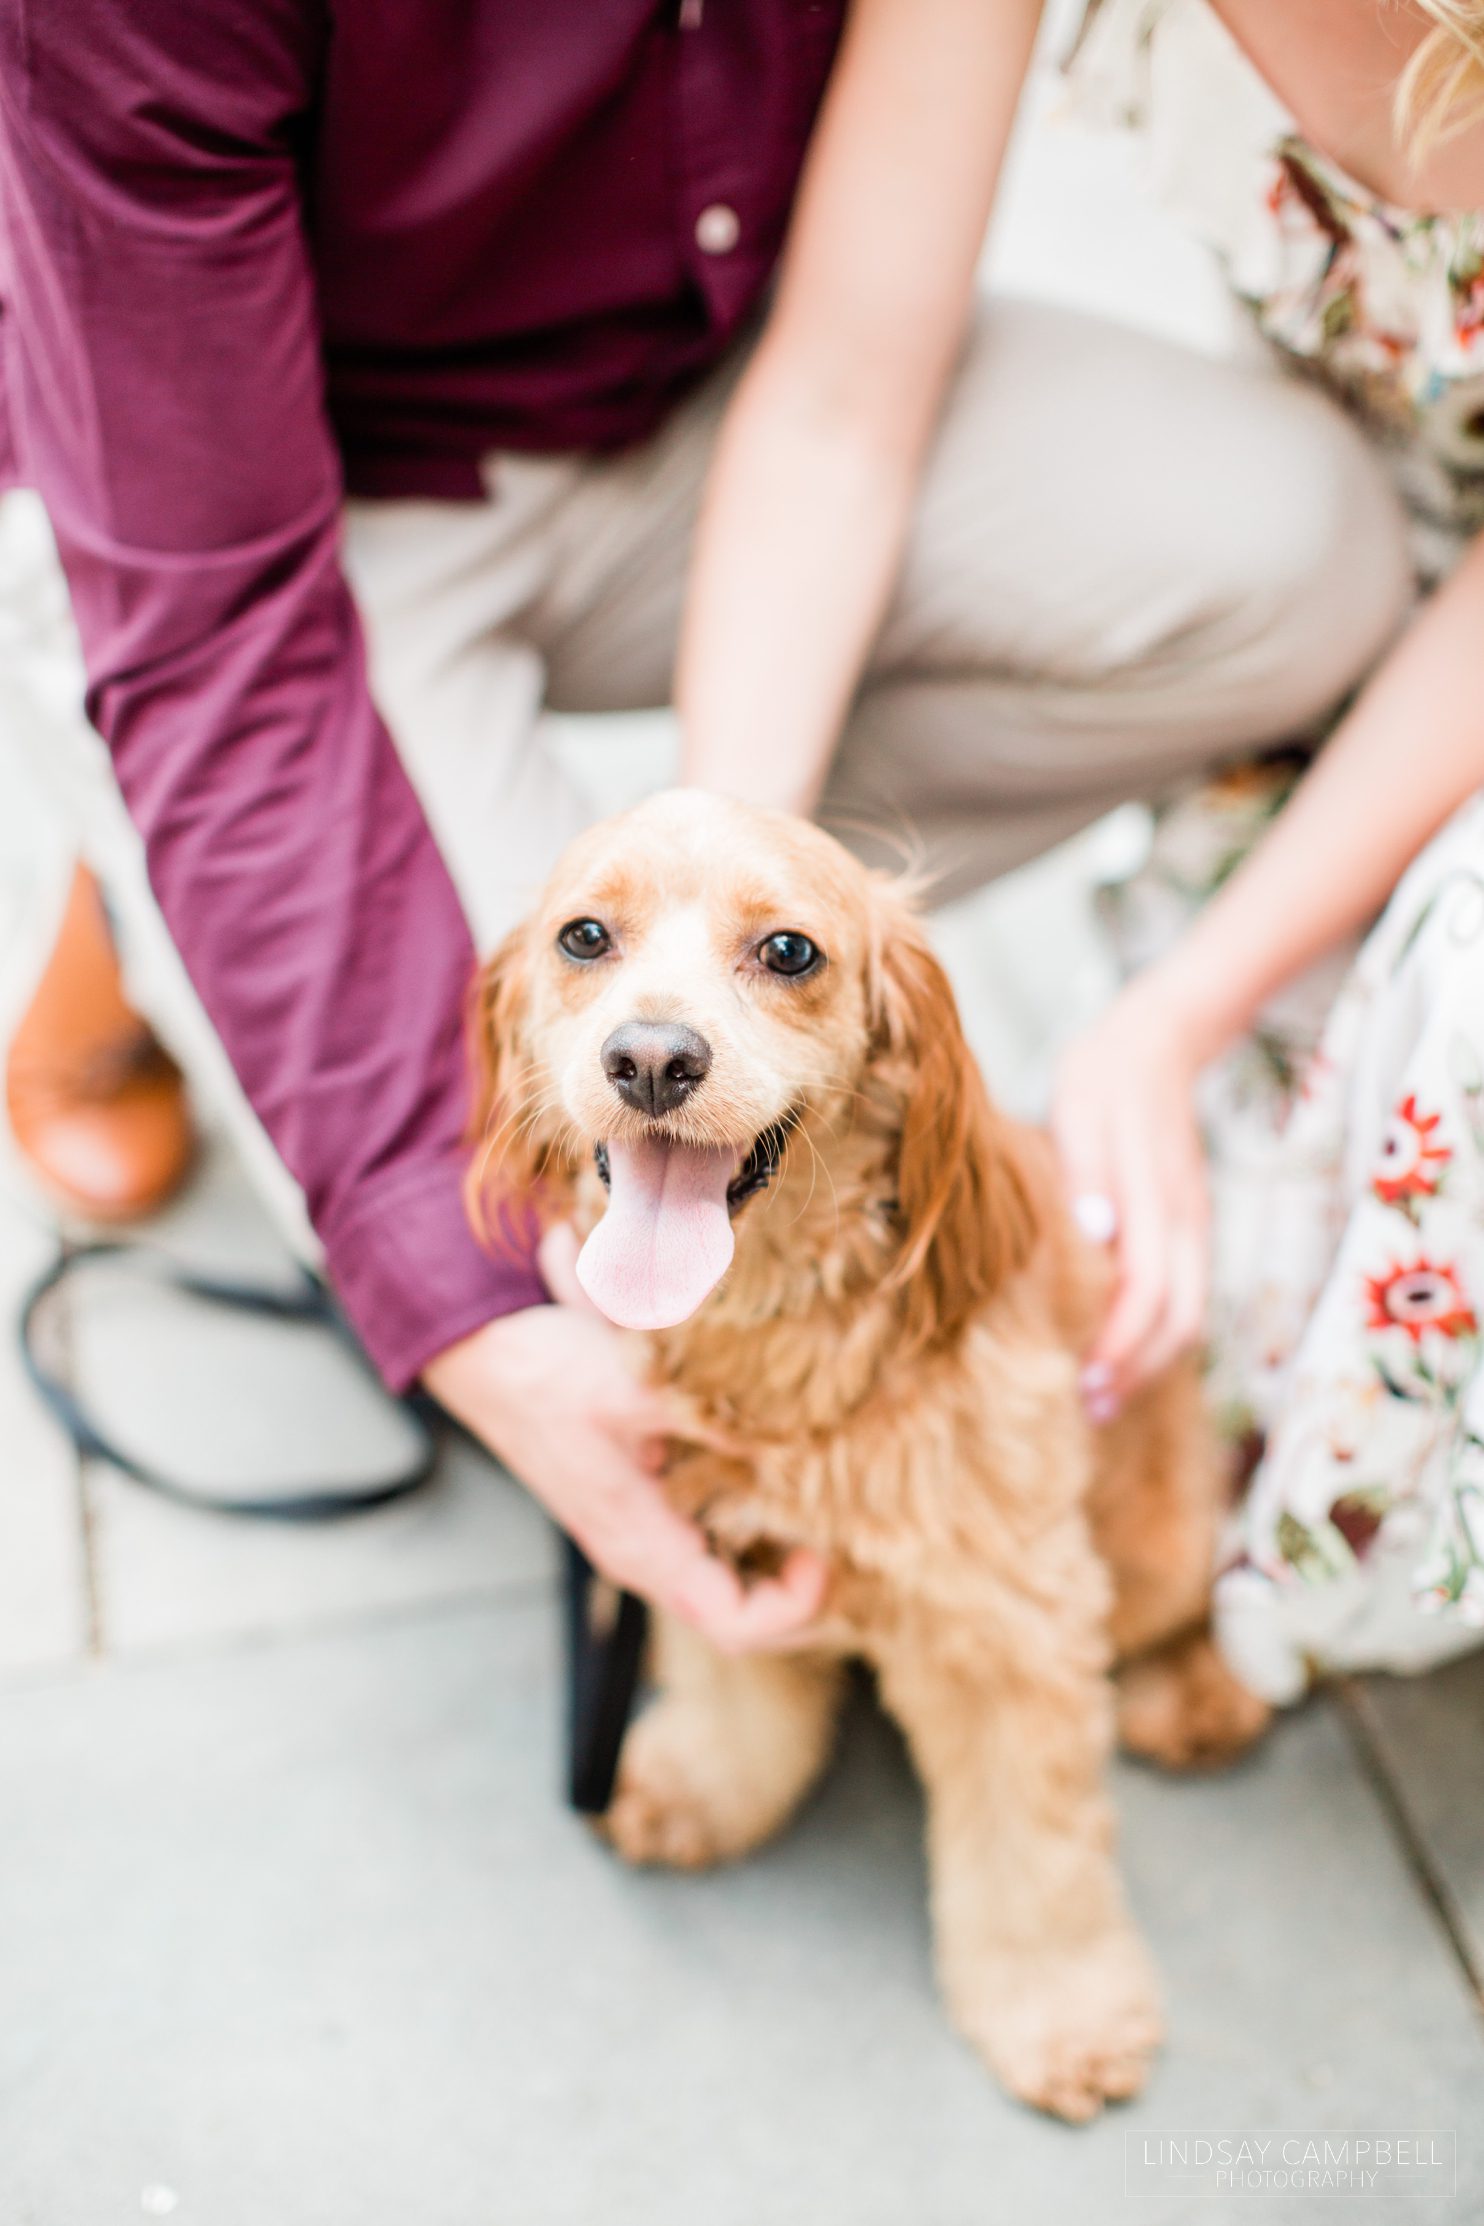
[
  {"x": 817, "y": 1163},
  {"x": 520, "y": 1119}
]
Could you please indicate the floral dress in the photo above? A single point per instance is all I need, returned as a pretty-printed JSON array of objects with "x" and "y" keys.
[
  {"x": 1348, "y": 1315},
  {"x": 1384, "y": 307},
  {"x": 1347, "y": 1133}
]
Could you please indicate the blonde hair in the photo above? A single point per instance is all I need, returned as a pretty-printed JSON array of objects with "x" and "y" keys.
[{"x": 1442, "y": 86}]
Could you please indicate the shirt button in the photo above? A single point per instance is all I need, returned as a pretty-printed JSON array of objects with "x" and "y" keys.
[{"x": 718, "y": 229}]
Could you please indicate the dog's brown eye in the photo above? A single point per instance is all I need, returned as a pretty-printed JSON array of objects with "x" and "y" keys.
[
  {"x": 789, "y": 954},
  {"x": 585, "y": 939}
]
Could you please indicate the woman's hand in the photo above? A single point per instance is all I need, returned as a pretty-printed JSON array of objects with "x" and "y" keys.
[
  {"x": 1124, "y": 1122},
  {"x": 1123, "y": 1117},
  {"x": 551, "y": 1392}
]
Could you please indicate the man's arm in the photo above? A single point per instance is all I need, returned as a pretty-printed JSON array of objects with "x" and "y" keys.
[
  {"x": 166, "y": 386},
  {"x": 170, "y": 407}
]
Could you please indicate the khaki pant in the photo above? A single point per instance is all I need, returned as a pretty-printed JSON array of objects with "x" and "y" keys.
[{"x": 1127, "y": 563}]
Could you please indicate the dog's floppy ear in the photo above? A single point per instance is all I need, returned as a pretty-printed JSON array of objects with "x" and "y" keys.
[
  {"x": 966, "y": 1215},
  {"x": 507, "y": 1160}
]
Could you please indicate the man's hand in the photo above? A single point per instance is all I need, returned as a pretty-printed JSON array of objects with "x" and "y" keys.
[
  {"x": 1124, "y": 1121},
  {"x": 551, "y": 1393}
]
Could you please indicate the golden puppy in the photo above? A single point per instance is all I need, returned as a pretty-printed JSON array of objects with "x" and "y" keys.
[{"x": 726, "y": 1051}]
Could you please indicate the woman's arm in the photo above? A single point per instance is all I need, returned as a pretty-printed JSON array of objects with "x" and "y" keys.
[
  {"x": 811, "y": 490},
  {"x": 1408, "y": 753}
]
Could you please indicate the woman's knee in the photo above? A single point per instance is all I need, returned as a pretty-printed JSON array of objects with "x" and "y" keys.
[
  {"x": 1103, "y": 501},
  {"x": 1313, "y": 574}
]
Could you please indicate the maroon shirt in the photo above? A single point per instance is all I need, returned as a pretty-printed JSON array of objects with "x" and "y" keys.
[{"x": 253, "y": 252}]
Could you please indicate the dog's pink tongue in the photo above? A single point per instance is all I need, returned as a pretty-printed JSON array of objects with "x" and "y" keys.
[{"x": 666, "y": 1239}]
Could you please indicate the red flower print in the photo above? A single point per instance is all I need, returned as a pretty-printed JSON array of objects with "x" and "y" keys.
[
  {"x": 1412, "y": 1160},
  {"x": 1470, "y": 314},
  {"x": 1420, "y": 1298},
  {"x": 1357, "y": 1516}
]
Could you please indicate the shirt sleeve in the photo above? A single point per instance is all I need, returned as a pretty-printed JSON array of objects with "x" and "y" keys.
[{"x": 166, "y": 391}]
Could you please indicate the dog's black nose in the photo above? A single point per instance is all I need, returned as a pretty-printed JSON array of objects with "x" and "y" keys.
[{"x": 655, "y": 1064}]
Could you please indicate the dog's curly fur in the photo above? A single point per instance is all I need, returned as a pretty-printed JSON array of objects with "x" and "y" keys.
[{"x": 889, "y": 1375}]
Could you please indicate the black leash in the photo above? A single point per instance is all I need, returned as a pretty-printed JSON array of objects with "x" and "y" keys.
[
  {"x": 606, "y": 1631},
  {"x": 307, "y": 1302},
  {"x": 604, "y": 1655}
]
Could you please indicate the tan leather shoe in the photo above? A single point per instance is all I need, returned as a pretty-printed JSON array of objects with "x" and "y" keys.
[{"x": 97, "y": 1109}]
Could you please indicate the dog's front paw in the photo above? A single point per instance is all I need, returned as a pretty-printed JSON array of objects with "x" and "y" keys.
[
  {"x": 1066, "y": 2030},
  {"x": 681, "y": 1798}
]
